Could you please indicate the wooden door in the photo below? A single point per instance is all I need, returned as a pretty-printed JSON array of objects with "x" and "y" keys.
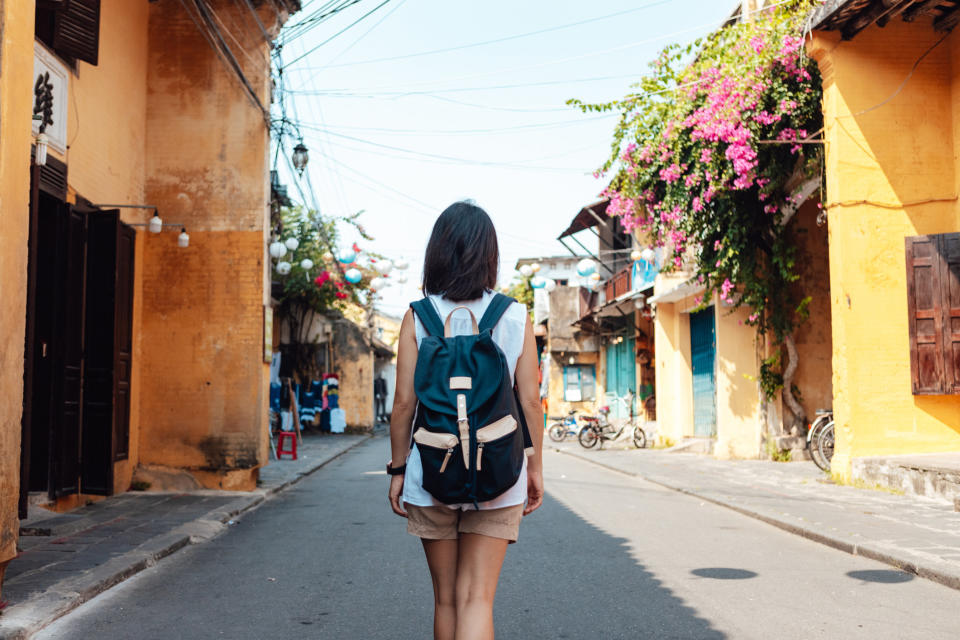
[{"x": 620, "y": 376}]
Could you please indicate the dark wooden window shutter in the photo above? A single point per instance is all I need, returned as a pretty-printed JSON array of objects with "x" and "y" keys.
[
  {"x": 925, "y": 314},
  {"x": 950, "y": 302},
  {"x": 933, "y": 301},
  {"x": 77, "y": 30}
]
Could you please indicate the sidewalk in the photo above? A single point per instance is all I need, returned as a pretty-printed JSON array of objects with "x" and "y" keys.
[
  {"x": 68, "y": 558},
  {"x": 919, "y": 535}
]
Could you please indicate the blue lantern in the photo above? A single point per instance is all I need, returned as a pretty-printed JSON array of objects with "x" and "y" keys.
[
  {"x": 353, "y": 276},
  {"x": 586, "y": 268},
  {"x": 538, "y": 282},
  {"x": 347, "y": 256}
]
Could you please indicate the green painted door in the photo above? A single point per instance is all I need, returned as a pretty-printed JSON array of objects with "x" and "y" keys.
[
  {"x": 621, "y": 376},
  {"x": 703, "y": 356}
]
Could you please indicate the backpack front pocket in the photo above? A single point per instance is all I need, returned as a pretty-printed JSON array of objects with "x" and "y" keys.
[
  {"x": 438, "y": 453},
  {"x": 499, "y": 457}
]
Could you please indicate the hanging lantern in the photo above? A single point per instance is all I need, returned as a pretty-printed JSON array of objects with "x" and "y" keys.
[
  {"x": 636, "y": 254},
  {"x": 291, "y": 243},
  {"x": 156, "y": 224},
  {"x": 328, "y": 257},
  {"x": 648, "y": 255},
  {"x": 283, "y": 267},
  {"x": 347, "y": 256},
  {"x": 277, "y": 249},
  {"x": 526, "y": 271},
  {"x": 353, "y": 276},
  {"x": 43, "y": 142},
  {"x": 537, "y": 282},
  {"x": 401, "y": 279},
  {"x": 377, "y": 283},
  {"x": 183, "y": 240},
  {"x": 586, "y": 267},
  {"x": 551, "y": 285},
  {"x": 535, "y": 267},
  {"x": 306, "y": 264},
  {"x": 300, "y": 157},
  {"x": 384, "y": 267},
  {"x": 595, "y": 276},
  {"x": 402, "y": 265}
]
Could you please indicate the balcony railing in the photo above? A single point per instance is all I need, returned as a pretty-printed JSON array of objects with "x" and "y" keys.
[{"x": 619, "y": 284}]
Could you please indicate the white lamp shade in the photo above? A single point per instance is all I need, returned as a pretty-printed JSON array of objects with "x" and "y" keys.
[
  {"x": 526, "y": 271},
  {"x": 40, "y": 158},
  {"x": 277, "y": 249},
  {"x": 538, "y": 283},
  {"x": 586, "y": 267},
  {"x": 283, "y": 267},
  {"x": 291, "y": 243},
  {"x": 648, "y": 255},
  {"x": 551, "y": 284},
  {"x": 535, "y": 267},
  {"x": 401, "y": 279},
  {"x": 377, "y": 283},
  {"x": 183, "y": 240},
  {"x": 156, "y": 224},
  {"x": 353, "y": 276},
  {"x": 306, "y": 264},
  {"x": 347, "y": 257},
  {"x": 384, "y": 267},
  {"x": 402, "y": 265},
  {"x": 636, "y": 255},
  {"x": 328, "y": 257}
]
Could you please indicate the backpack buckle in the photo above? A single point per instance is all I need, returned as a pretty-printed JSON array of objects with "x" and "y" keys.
[{"x": 463, "y": 426}]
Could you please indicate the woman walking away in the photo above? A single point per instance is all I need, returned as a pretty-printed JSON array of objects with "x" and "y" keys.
[{"x": 464, "y": 467}]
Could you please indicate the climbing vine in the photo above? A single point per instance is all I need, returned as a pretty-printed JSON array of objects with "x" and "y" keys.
[{"x": 711, "y": 158}]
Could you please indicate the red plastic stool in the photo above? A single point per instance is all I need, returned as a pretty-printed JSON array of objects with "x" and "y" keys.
[{"x": 281, "y": 437}]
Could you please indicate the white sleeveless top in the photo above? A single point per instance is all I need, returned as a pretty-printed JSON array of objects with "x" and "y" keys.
[{"x": 508, "y": 334}]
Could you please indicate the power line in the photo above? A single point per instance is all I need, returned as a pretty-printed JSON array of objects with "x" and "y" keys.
[
  {"x": 346, "y": 28},
  {"x": 453, "y": 132}
]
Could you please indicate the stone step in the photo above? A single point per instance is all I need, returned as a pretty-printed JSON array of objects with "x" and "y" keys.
[{"x": 933, "y": 475}]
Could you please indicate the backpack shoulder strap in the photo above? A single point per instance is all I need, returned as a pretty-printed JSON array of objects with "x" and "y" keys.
[
  {"x": 429, "y": 317},
  {"x": 494, "y": 312}
]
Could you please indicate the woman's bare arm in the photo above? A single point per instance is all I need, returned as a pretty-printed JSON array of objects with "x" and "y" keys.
[
  {"x": 528, "y": 389},
  {"x": 404, "y": 404}
]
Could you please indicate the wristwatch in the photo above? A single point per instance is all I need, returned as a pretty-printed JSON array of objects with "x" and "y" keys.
[{"x": 395, "y": 471}]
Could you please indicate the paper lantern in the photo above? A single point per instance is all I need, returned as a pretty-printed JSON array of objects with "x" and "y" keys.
[
  {"x": 401, "y": 279},
  {"x": 384, "y": 266},
  {"x": 595, "y": 276},
  {"x": 283, "y": 267},
  {"x": 183, "y": 240},
  {"x": 291, "y": 243},
  {"x": 347, "y": 256},
  {"x": 526, "y": 271},
  {"x": 551, "y": 285},
  {"x": 353, "y": 276},
  {"x": 636, "y": 254},
  {"x": 586, "y": 267},
  {"x": 277, "y": 249},
  {"x": 648, "y": 255},
  {"x": 535, "y": 267},
  {"x": 402, "y": 265},
  {"x": 377, "y": 283},
  {"x": 328, "y": 257},
  {"x": 306, "y": 264},
  {"x": 537, "y": 282}
]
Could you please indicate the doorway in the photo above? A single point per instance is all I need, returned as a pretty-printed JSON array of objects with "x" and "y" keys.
[
  {"x": 703, "y": 357},
  {"x": 621, "y": 377},
  {"x": 78, "y": 352}
]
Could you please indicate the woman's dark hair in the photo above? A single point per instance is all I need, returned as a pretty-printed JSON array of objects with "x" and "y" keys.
[{"x": 462, "y": 257}]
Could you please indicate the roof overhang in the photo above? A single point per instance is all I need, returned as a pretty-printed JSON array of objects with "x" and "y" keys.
[
  {"x": 678, "y": 292},
  {"x": 590, "y": 216},
  {"x": 850, "y": 17},
  {"x": 623, "y": 304}
]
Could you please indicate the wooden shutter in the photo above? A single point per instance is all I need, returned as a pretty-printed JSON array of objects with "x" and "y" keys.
[
  {"x": 924, "y": 271},
  {"x": 950, "y": 304},
  {"x": 76, "y": 31}
]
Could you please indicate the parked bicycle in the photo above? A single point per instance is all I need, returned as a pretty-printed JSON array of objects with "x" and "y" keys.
[
  {"x": 820, "y": 439},
  {"x": 604, "y": 430},
  {"x": 568, "y": 426}
]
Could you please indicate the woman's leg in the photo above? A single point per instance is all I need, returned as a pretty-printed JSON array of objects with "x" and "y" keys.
[
  {"x": 478, "y": 569},
  {"x": 442, "y": 560}
]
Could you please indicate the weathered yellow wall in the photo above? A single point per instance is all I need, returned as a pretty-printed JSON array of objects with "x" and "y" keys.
[
  {"x": 16, "y": 81},
  {"x": 891, "y": 172},
  {"x": 738, "y": 398},
  {"x": 557, "y": 406},
  {"x": 674, "y": 377},
  {"x": 204, "y": 389}
]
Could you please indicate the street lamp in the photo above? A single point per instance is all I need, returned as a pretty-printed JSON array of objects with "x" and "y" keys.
[{"x": 300, "y": 157}]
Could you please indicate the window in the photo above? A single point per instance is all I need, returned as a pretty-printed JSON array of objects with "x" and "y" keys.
[
  {"x": 579, "y": 383},
  {"x": 933, "y": 303},
  {"x": 71, "y": 28}
]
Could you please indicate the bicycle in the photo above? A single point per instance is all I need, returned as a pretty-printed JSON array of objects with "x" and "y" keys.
[
  {"x": 568, "y": 426},
  {"x": 820, "y": 439},
  {"x": 601, "y": 431}
]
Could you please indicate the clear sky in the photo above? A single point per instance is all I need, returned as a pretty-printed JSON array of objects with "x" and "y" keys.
[{"x": 401, "y": 136}]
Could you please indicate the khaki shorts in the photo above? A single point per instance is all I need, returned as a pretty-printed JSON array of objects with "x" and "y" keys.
[{"x": 444, "y": 523}]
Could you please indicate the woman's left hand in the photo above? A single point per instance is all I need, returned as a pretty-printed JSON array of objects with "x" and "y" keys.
[
  {"x": 396, "y": 490},
  {"x": 534, "y": 490}
]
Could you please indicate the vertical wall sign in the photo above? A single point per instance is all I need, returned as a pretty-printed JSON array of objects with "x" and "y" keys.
[
  {"x": 50, "y": 84},
  {"x": 267, "y": 334}
]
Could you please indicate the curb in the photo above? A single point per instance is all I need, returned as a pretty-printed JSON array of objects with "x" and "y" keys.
[
  {"x": 951, "y": 580},
  {"x": 20, "y": 621}
]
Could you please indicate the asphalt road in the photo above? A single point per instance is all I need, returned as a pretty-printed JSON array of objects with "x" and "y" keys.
[{"x": 607, "y": 556}]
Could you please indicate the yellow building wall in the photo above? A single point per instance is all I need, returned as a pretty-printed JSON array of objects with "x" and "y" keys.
[
  {"x": 739, "y": 424},
  {"x": 16, "y": 82},
  {"x": 557, "y": 406},
  {"x": 674, "y": 377},
  {"x": 891, "y": 172}
]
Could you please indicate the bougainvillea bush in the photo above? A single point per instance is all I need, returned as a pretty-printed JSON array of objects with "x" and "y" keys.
[{"x": 712, "y": 156}]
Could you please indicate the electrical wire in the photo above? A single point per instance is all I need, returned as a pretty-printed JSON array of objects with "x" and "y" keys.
[
  {"x": 342, "y": 31},
  {"x": 464, "y": 132}
]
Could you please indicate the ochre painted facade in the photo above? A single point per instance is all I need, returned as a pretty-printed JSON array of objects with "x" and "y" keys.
[
  {"x": 891, "y": 171},
  {"x": 16, "y": 83}
]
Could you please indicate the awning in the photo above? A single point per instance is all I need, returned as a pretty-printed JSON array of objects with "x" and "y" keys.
[
  {"x": 678, "y": 292},
  {"x": 590, "y": 216},
  {"x": 849, "y": 17},
  {"x": 615, "y": 307}
]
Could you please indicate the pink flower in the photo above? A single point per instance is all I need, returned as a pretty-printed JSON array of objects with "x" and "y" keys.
[
  {"x": 671, "y": 174},
  {"x": 753, "y": 317},
  {"x": 756, "y": 43}
]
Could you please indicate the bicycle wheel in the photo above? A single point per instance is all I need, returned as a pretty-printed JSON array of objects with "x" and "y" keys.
[
  {"x": 815, "y": 432},
  {"x": 639, "y": 437},
  {"x": 588, "y": 437},
  {"x": 557, "y": 432},
  {"x": 825, "y": 444}
]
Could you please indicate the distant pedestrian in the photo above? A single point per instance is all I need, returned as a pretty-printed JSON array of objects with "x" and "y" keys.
[{"x": 465, "y": 543}]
